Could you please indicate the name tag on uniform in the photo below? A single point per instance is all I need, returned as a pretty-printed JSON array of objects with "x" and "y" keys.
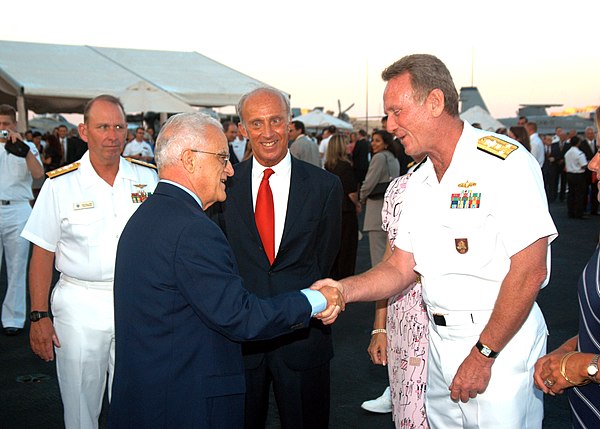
[{"x": 83, "y": 205}]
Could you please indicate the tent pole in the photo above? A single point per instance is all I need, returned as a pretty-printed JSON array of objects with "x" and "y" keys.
[{"x": 21, "y": 114}]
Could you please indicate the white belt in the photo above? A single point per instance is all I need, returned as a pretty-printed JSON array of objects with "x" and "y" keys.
[
  {"x": 88, "y": 284},
  {"x": 457, "y": 318}
]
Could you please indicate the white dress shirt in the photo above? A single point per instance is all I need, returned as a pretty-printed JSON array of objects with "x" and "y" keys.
[
  {"x": 537, "y": 148},
  {"x": 280, "y": 186},
  {"x": 239, "y": 148},
  {"x": 575, "y": 160}
]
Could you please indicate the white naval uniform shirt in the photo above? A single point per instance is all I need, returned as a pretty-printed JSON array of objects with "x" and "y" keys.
[
  {"x": 135, "y": 147},
  {"x": 15, "y": 178},
  {"x": 509, "y": 212},
  {"x": 80, "y": 217}
]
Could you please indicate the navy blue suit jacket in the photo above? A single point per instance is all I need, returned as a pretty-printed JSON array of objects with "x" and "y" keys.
[
  {"x": 309, "y": 245},
  {"x": 180, "y": 311}
]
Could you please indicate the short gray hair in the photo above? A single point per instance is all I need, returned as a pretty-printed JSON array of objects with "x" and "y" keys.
[
  {"x": 427, "y": 73},
  {"x": 286, "y": 101},
  {"x": 181, "y": 132}
]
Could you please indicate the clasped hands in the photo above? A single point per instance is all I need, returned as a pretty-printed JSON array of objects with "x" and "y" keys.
[
  {"x": 550, "y": 371},
  {"x": 333, "y": 291}
]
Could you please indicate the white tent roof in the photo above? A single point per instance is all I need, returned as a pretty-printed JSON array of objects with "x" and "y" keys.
[
  {"x": 318, "y": 119},
  {"x": 144, "y": 97},
  {"x": 479, "y": 115},
  {"x": 62, "y": 78}
]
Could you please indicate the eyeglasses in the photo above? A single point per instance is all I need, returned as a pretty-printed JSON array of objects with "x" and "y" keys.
[{"x": 224, "y": 157}]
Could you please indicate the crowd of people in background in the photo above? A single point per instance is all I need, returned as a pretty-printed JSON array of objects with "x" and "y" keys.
[{"x": 563, "y": 158}]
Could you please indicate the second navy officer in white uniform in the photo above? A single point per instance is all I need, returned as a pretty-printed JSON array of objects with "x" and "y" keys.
[{"x": 76, "y": 224}]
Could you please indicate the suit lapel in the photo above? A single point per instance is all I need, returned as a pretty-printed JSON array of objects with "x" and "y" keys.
[
  {"x": 297, "y": 199},
  {"x": 241, "y": 197}
]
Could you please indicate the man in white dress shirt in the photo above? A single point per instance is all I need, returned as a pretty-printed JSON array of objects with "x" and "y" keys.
[
  {"x": 537, "y": 145},
  {"x": 19, "y": 163},
  {"x": 138, "y": 148}
]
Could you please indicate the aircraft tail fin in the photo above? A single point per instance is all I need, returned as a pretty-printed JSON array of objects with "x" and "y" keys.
[{"x": 469, "y": 97}]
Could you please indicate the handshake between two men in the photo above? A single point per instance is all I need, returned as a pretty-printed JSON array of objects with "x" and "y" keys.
[{"x": 332, "y": 291}]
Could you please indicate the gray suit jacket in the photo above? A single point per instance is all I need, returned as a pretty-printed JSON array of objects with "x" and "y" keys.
[{"x": 306, "y": 150}]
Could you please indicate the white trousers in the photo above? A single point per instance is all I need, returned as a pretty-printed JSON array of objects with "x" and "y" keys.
[
  {"x": 84, "y": 323},
  {"x": 510, "y": 400},
  {"x": 15, "y": 249}
]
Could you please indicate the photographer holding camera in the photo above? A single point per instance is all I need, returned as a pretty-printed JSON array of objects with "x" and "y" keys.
[{"x": 19, "y": 164}]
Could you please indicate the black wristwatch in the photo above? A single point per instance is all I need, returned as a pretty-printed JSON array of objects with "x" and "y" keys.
[
  {"x": 485, "y": 350},
  {"x": 34, "y": 316}
]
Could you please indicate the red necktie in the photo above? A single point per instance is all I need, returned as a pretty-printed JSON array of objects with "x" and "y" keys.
[{"x": 264, "y": 215}]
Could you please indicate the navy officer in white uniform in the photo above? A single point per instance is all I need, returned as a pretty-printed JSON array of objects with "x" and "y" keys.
[
  {"x": 76, "y": 224},
  {"x": 19, "y": 162},
  {"x": 481, "y": 263}
]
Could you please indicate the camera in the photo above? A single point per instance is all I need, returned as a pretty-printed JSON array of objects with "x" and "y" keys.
[{"x": 4, "y": 134}]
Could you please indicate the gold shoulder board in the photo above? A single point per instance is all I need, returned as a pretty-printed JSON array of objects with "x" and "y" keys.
[
  {"x": 63, "y": 170},
  {"x": 495, "y": 146},
  {"x": 138, "y": 162}
]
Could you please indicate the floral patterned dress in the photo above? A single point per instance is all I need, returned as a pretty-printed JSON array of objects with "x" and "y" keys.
[{"x": 407, "y": 331}]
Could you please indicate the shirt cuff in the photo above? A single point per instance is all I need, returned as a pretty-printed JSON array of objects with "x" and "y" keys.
[{"x": 316, "y": 300}]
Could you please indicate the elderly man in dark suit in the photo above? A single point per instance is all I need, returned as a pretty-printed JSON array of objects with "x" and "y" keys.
[
  {"x": 301, "y": 247},
  {"x": 180, "y": 305}
]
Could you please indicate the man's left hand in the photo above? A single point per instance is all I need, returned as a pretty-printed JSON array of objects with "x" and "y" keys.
[
  {"x": 472, "y": 377},
  {"x": 335, "y": 305}
]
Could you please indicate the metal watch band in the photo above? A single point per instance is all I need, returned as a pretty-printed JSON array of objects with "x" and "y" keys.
[{"x": 593, "y": 367}]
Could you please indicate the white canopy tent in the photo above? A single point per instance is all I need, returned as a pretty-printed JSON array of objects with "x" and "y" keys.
[
  {"x": 49, "y": 78},
  {"x": 319, "y": 120},
  {"x": 477, "y": 114},
  {"x": 144, "y": 97}
]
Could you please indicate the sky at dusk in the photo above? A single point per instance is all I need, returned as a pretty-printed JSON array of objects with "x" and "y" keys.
[{"x": 322, "y": 51}]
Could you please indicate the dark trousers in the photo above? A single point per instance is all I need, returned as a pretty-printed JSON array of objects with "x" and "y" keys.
[
  {"x": 551, "y": 173},
  {"x": 591, "y": 192},
  {"x": 345, "y": 261},
  {"x": 577, "y": 195},
  {"x": 302, "y": 397},
  {"x": 563, "y": 184}
]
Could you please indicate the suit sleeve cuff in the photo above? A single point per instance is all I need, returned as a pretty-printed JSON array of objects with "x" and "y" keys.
[{"x": 316, "y": 300}]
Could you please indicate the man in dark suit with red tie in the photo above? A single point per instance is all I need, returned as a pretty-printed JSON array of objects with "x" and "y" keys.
[{"x": 282, "y": 218}]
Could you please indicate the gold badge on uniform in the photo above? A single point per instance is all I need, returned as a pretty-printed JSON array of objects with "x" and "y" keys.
[
  {"x": 461, "y": 245},
  {"x": 141, "y": 195}
]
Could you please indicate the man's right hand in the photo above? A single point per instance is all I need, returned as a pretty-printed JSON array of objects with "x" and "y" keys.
[
  {"x": 43, "y": 338},
  {"x": 335, "y": 305}
]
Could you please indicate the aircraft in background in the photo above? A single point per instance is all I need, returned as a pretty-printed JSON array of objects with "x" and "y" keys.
[{"x": 470, "y": 96}]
